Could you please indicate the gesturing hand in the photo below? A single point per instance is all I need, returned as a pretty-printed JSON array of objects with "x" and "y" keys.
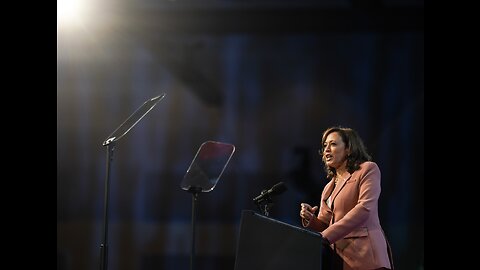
[{"x": 307, "y": 212}]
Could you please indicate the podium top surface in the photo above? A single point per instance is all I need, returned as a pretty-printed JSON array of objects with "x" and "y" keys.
[{"x": 281, "y": 223}]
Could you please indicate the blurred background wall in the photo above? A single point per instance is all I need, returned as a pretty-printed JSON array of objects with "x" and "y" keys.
[{"x": 266, "y": 76}]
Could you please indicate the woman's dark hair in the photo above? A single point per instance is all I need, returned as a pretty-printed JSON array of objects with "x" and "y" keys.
[{"x": 358, "y": 152}]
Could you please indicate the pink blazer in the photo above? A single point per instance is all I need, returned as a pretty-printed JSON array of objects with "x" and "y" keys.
[{"x": 353, "y": 226}]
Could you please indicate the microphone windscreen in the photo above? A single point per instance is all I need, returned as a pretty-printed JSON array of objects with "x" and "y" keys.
[{"x": 279, "y": 188}]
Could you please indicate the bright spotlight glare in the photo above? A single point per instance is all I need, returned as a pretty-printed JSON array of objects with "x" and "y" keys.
[{"x": 69, "y": 12}]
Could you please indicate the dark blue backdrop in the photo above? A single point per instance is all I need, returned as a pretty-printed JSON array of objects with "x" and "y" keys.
[{"x": 269, "y": 93}]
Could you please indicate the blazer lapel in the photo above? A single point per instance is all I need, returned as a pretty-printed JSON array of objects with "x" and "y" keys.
[{"x": 339, "y": 187}]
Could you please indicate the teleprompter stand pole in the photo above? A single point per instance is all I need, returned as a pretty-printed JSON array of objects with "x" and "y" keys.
[
  {"x": 195, "y": 191},
  {"x": 104, "y": 245},
  {"x": 110, "y": 142}
]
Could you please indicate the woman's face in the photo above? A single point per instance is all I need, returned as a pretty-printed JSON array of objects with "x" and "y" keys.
[{"x": 334, "y": 151}]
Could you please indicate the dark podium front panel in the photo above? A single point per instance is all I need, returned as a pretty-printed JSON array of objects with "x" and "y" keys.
[{"x": 265, "y": 243}]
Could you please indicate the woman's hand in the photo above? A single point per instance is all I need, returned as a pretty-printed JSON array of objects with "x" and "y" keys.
[{"x": 307, "y": 212}]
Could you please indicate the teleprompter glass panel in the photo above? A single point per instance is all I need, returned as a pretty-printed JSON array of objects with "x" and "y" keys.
[{"x": 207, "y": 166}]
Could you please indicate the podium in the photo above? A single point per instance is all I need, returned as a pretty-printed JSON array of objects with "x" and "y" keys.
[{"x": 268, "y": 244}]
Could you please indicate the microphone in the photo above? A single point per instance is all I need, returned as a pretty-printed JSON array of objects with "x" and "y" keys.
[{"x": 266, "y": 194}]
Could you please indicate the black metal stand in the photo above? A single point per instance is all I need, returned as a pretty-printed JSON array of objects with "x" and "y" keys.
[
  {"x": 195, "y": 191},
  {"x": 266, "y": 208},
  {"x": 110, "y": 142},
  {"x": 104, "y": 245},
  {"x": 202, "y": 176},
  {"x": 265, "y": 205}
]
